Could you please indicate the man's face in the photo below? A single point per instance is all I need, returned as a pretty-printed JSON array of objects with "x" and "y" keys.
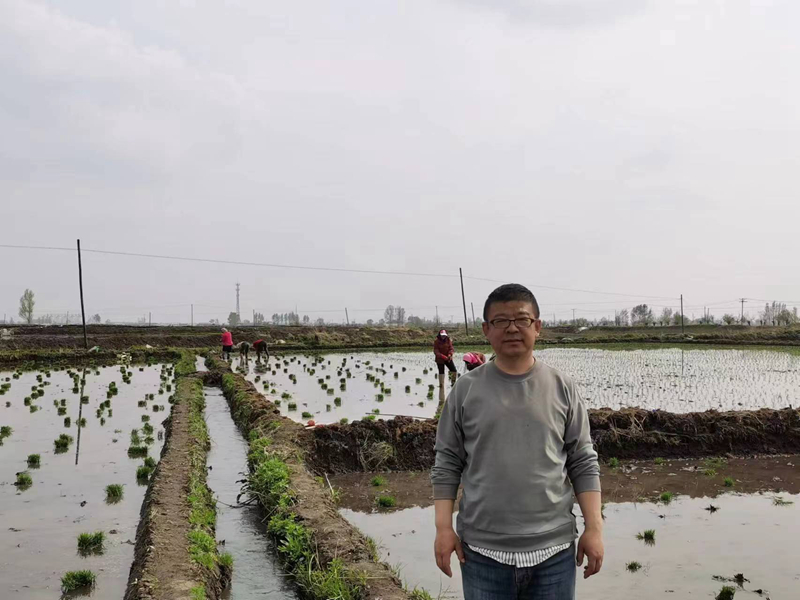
[{"x": 513, "y": 341}]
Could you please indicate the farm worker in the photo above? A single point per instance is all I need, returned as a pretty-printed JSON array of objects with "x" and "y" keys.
[
  {"x": 244, "y": 350},
  {"x": 260, "y": 346},
  {"x": 227, "y": 344},
  {"x": 515, "y": 435},
  {"x": 473, "y": 360},
  {"x": 443, "y": 351}
]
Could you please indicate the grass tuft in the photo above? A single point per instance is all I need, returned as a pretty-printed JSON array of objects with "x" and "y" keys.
[
  {"x": 666, "y": 497},
  {"x": 91, "y": 543},
  {"x": 648, "y": 536},
  {"x": 34, "y": 461},
  {"x": 386, "y": 501},
  {"x": 726, "y": 593},
  {"x": 114, "y": 493},
  {"x": 729, "y": 482},
  {"x": 73, "y": 581},
  {"x": 377, "y": 481},
  {"x": 633, "y": 566}
]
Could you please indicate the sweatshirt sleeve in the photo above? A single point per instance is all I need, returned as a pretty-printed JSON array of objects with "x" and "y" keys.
[
  {"x": 450, "y": 454},
  {"x": 582, "y": 466}
]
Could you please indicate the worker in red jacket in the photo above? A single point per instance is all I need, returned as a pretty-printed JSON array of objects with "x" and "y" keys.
[
  {"x": 443, "y": 351},
  {"x": 260, "y": 346},
  {"x": 227, "y": 344}
]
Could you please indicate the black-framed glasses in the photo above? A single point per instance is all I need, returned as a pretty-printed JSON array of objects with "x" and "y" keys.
[{"x": 522, "y": 322}]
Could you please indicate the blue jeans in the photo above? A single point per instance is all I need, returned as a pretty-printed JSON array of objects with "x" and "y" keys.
[{"x": 487, "y": 579}]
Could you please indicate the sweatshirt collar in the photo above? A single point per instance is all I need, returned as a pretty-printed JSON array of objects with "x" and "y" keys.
[{"x": 516, "y": 378}]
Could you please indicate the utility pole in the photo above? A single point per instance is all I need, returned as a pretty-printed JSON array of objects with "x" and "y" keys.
[
  {"x": 682, "y": 329},
  {"x": 573, "y": 317},
  {"x": 742, "y": 320},
  {"x": 346, "y": 316},
  {"x": 437, "y": 316},
  {"x": 192, "y": 315},
  {"x": 149, "y": 319},
  {"x": 463, "y": 301},
  {"x": 80, "y": 284},
  {"x": 472, "y": 306},
  {"x": 254, "y": 317},
  {"x": 238, "y": 314}
]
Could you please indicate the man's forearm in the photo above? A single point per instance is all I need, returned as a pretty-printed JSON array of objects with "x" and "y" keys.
[
  {"x": 591, "y": 506},
  {"x": 444, "y": 514}
]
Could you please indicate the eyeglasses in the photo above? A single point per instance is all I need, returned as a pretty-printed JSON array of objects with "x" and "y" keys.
[{"x": 522, "y": 322}]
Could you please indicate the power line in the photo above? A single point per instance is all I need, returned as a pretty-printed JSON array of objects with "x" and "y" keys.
[{"x": 562, "y": 289}]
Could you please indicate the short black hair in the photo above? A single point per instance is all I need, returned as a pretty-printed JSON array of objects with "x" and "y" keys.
[{"x": 510, "y": 292}]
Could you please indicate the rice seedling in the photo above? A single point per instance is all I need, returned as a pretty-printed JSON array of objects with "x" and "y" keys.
[
  {"x": 24, "y": 480},
  {"x": 62, "y": 443},
  {"x": 420, "y": 404},
  {"x": 710, "y": 472},
  {"x": 379, "y": 397},
  {"x": 659, "y": 461},
  {"x": 711, "y": 508},
  {"x": 377, "y": 481},
  {"x": 149, "y": 440},
  {"x": 369, "y": 418},
  {"x": 648, "y": 536},
  {"x": 91, "y": 543},
  {"x": 62, "y": 410},
  {"x": 286, "y": 396},
  {"x": 337, "y": 401},
  {"x": 67, "y": 422},
  {"x": 292, "y": 406},
  {"x": 613, "y": 463},
  {"x": 729, "y": 482},
  {"x": 82, "y": 422},
  {"x": 27, "y": 401},
  {"x": 327, "y": 408},
  {"x": 110, "y": 413},
  {"x": 726, "y": 593},
  {"x": 343, "y": 421},
  {"x": 141, "y": 403},
  {"x": 34, "y": 408},
  {"x": 429, "y": 395},
  {"x": 376, "y": 411},
  {"x": 329, "y": 391},
  {"x": 34, "y": 461},
  {"x": 8, "y": 404},
  {"x": 385, "y": 501},
  {"x": 150, "y": 462},
  {"x": 633, "y": 566},
  {"x": 778, "y": 501},
  {"x": 137, "y": 451},
  {"x": 307, "y": 415},
  {"x": 666, "y": 497},
  {"x": 143, "y": 473},
  {"x": 147, "y": 429},
  {"x": 114, "y": 493},
  {"x": 73, "y": 581},
  {"x": 84, "y": 399},
  {"x": 135, "y": 439},
  {"x": 430, "y": 387}
]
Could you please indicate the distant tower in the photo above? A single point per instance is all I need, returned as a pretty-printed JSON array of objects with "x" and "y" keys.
[{"x": 238, "y": 314}]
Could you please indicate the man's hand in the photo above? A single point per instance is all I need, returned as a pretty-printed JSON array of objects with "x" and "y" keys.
[
  {"x": 446, "y": 542},
  {"x": 591, "y": 545}
]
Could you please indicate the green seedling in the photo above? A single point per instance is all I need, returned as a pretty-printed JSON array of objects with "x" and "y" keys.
[
  {"x": 82, "y": 422},
  {"x": 73, "y": 581},
  {"x": 343, "y": 421},
  {"x": 778, "y": 501},
  {"x": 150, "y": 462},
  {"x": 62, "y": 442},
  {"x": 386, "y": 501},
  {"x": 613, "y": 463},
  {"x": 34, "y": 408},
  {"x": 62, "y": 410},
  {"x": 114, "y": 493},
  {"x": 666, "y": 497},
  {"x": 307, "y": 415},
  {"x": 136, "y": 451},
  {"x": 91, "y": 543},
  {"x": 729, "y": 482},
  {"x": 369, "y": 418},
  {"x": 726, "y": 593},
  {"x": 292, "y": 406},
  {"x": 377, "y": 481},
  {"x": 379, "y": 397},
  {"x": 67, "y": 422},
  {"x": 34, "y": 461},
  {"x": 710, "y": 472},
  {"x": 337, "y": 401},
  {"x": 648, "y": 536},
  {"x": 24, "y": 480},
  {"x": 143, "y": 473},
  {"x": 633, "y": 566}
]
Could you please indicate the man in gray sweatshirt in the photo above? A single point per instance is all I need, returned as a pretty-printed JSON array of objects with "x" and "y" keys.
[{"x": 515, "y": 434}]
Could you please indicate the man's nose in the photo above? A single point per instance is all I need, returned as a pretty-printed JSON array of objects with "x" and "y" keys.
[{"x": 512, "y": 327}]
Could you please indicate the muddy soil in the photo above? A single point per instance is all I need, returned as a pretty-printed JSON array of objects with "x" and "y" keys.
[
  {"x": 40, "y": 525},
  {"x": 633, "y": 481},
  {"x": 748, "y": 534}
]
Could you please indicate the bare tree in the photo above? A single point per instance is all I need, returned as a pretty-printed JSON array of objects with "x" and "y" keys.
[
  {"x": 400, "y": 315},
  {"x": 389, "y": 315},
  {"x": 729, "y": 319},
  {"x": 26, "y": 304},
  {"x": 666, "y": 316},
  {"x": 96, "y": 319},
  {"x": 233, "y": 319},
  {"x": 622, "y": 318},
  {"x": 641, "y": 314}
]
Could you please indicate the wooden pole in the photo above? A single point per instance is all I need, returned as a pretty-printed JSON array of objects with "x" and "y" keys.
[
  {"x": 346, "y": 316},
  {"x": 682, "y": 329},
  {"x": 192, "y": 315},
  {"x": 472, "y": 306},
  {"x": 463, "y": 301},
  {"x": 80, "y": 284}
]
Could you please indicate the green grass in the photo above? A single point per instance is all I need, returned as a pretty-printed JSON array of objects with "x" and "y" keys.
[
  {"x": 419, "y": 594},
  {"x": 62, "y": 442},
  {"x": 710, "y": 472},
  {"x": 385, "y": 501},
  {"x": 6, "y": 431},
  {"x": 73, "y": 581},
  {"x": 24, "y": 480},
  {"x": 666, "y": 497},
  {"x": 91, "y": 543},
  {"x": 292, "y": 406},
  {"x": 135, "y": 451},
  {"x": 143, "y": 473},
  {"x": 307, "y": 415},
  {"x": 613, "y": 463},
  {"x": 34, "y": 461},
  {"x": 114, "y": 493},
  {"x": 150, "y": 462},
  {"x": 226, "y": 560},
  {"x": 648, "y": 536},
  {"x": 778, "y": 501},
  {"x": 343, "y": 421},
  {"x": 729, "y": 482},
  {"x": 726, "y": 593},
  {"x": 633, "y": 566}
]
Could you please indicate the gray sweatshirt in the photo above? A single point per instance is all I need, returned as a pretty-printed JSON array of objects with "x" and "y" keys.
[{"x": 515, "y": 442}]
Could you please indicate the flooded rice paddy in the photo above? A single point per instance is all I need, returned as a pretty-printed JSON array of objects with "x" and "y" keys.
[
  {"x": 240, "y": 529},
  {"x": 333, "y": 386},
  {"x": 694, "y": 550},
  {"x": 40, "y": 523}
]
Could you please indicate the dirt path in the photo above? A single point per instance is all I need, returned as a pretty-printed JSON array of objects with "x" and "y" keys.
[{"x": 161, "y": 569}]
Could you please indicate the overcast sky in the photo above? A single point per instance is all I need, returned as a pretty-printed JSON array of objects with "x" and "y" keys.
[{"x": 625, "y": 146}]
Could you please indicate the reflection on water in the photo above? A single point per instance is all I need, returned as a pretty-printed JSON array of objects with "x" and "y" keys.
[
  {"x": 748, "y": 534},
  {"x": 256, "y": 571}
]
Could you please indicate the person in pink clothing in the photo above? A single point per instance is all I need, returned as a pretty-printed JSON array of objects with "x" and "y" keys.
[{"x": 227, "y": 344}]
